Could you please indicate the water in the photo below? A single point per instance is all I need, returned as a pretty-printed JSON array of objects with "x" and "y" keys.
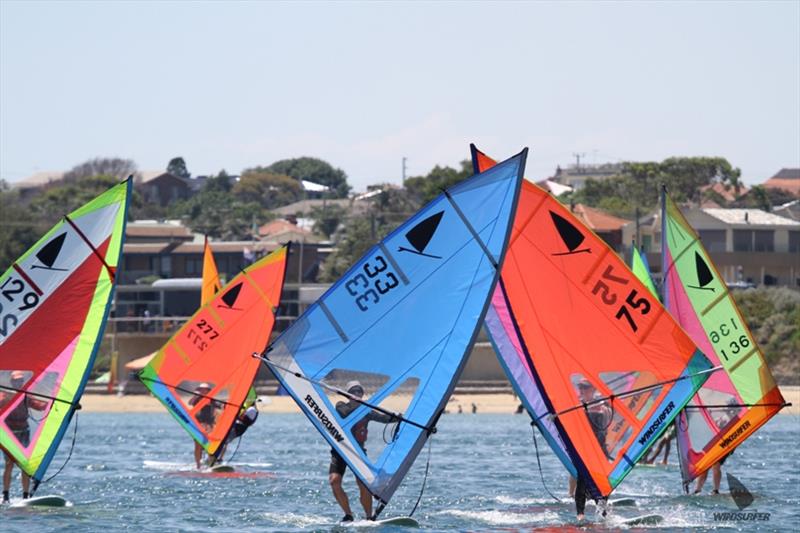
[{"x": 483, "y": 476}]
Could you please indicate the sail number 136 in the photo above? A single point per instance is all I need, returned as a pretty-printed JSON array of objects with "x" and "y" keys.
[
  {"x": 737, "y": 341},
  {"x": 609, "y": 297}
]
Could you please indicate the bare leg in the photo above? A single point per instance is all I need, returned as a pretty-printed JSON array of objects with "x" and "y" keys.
[
  {"x": 198, "y": 454},
  {"x": 366, "y": 499},
  {"x": 9, "y": 468},
  {"x": 26, "y": 484},
  {"x": 339, "y": 493},
  {"x": 716, "y": 475},
  {"x": 701, "y": 480},
  {"x": 572, "y": 483}
]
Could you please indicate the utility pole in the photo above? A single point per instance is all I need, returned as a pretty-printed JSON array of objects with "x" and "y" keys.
[
  {"x": 578, "y": 159},
  {"x": 404, "y": 170}
]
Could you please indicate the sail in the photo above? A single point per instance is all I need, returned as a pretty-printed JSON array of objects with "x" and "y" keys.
[
  {"x": 732, "y": 404},
  {"x": 612, "y": 367},
  {"x": 211, "y": 284},
  {"x": 641, "y": 268},
  {"x": 400, "y": 324},
  {"x": 204, "y": 373},
  {"x": 514, "y": 358},
  {"x": 54, "y": 301}
]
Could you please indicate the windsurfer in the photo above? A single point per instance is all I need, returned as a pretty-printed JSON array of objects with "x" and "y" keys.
[
  {"x": 17, "y": 422},
  {"x": 206, "y": 416},
  {"x": 242, "y": 423},
  {"x": 338, "y": 464},
  {"x": 599, "y": 416}
]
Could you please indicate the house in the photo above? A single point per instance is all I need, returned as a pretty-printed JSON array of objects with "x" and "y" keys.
[
  {"x": 749, "y": 245},
  {"x": 281, "y": 230},
  {"x": 575, "y": 176},
  {"x": 787, "y": 179},
  {"x": 163, "y": 189},
  {"x": 606, "y": 226}
]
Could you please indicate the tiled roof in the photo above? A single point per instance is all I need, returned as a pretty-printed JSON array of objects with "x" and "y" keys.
[
  {"x": 730, "y": 194},
  {"x": 597, "y": 219}
]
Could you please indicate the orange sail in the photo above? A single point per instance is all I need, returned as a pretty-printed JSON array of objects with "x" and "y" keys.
[
  {"x": 203, "y": 374},
  {"x": 211, "y": 284},
  {"x": 612, "y": 366}
]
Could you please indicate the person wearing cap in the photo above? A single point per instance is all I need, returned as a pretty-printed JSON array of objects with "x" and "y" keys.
[
  {"x": 17, "y": 422},
  {"x": 338, "y": 464},
  {"x": 599, "y": 416},
  {"x": 206, "y": 415}
]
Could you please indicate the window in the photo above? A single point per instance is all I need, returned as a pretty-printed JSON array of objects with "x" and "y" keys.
[
  {"x": 794, "y": 241},
  {"x": 713, "y": 239},
  {"x": 194, "y": 266},
  {"x": 742, "y": 240},
  {"x": 764, "y": 240}
]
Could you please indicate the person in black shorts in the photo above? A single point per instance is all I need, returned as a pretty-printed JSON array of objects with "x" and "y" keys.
[
  {"x": 599, "y": 417},
  {"x": 338, "y": 464},
  {"x": 207, "y": 416},
  {"x": 17, "y": 422}
]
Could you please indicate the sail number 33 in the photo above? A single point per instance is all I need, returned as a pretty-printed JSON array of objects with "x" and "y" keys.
[
  {"x": 604, "y": 291},
  {"x": 368, "y": 286}
]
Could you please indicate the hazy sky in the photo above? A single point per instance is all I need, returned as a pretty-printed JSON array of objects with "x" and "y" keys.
[{"x": 237, "y": 84}]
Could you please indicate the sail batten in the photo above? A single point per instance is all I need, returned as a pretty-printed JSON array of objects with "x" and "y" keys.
[{"x": 63, "y": 285}]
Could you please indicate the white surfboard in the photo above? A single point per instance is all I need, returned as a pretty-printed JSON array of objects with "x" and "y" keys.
[
  {"x": 219, "y": 469},
  {"x": 644, "y": 520},
  {"x": 622, "y": 502},
  {"x": 42, "y": 501}
]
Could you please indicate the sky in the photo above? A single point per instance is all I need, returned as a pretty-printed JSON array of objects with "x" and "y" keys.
[{"x": 361, "y": 85}]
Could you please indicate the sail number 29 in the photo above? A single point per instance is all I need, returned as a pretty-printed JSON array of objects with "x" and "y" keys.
[
  {"x": 13, "y": 290},
  {"x": 609, "y": 297},
  {"x": 368, "y": 286}
]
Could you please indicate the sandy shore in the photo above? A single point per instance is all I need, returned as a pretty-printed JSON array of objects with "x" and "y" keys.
[{"x": 484, "y": 403}]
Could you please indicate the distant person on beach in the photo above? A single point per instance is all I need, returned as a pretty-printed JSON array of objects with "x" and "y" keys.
[
  {"x": 460, "y": 410},
  {"x": 207, "y": 416},
  {"x": 17, "y": 422},
  {"x": 663, "y": 444},
  {"x": 474, "y": 408},
  {"x": 599, "y": 418},
  {"x": 338, "y": 464}
]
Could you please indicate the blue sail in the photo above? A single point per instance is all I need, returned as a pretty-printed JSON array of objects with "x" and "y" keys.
[{"x": 401, "y": 322}]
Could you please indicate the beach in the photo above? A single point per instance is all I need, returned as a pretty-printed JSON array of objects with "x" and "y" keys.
[{"x": 503, "y": 403}]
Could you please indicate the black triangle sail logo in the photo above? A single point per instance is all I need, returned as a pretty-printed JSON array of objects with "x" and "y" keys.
[
  {"x": 230, "y": 297},
  {"x": 571, "y": 236},
  {"x": 49, "y": 253},
  {"x": 420, "y": 235},
  {"x": 704, "y": 275}
]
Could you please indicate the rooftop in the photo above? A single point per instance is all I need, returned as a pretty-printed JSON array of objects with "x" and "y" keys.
[
  {"x": 597, "y": 219},
  {"x": 752, "y": 217}
]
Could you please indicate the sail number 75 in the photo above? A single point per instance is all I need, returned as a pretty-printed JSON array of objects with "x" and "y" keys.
[{"x": 609, "y": 297}]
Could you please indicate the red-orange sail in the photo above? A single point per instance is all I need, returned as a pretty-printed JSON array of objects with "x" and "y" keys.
[
  {"x": 612, "y": 366},
  {"x": 215, "y": 348}
]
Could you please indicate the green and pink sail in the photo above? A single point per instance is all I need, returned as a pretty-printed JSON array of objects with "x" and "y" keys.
[
  {"x": 54, "y": 301},
  {"x": 732, "y": 403}
]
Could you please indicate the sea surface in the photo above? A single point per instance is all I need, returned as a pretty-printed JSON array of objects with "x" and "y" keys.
[{"x": 133, "y": 472}]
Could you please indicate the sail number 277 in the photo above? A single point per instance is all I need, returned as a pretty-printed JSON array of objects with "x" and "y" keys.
[
  {"x": 609, "y": 297},
  {"x": 368, "y": 286}
]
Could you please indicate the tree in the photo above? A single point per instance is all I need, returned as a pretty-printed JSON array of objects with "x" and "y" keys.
[
  {"x": 61, "y": 198},
  {"x": 101, "y": 166},
  {"x": 177, "y": 167},
  {"x": 327, "y": 219},
  {"x": 19, "y": 228},
  {"x": 222, "y": 182},
  {"x": 314, "y": 170},
  {"x": 639, "y": 184},
  {"x": 425, "y": 188},
  {"x": 268, "y": 189}
]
